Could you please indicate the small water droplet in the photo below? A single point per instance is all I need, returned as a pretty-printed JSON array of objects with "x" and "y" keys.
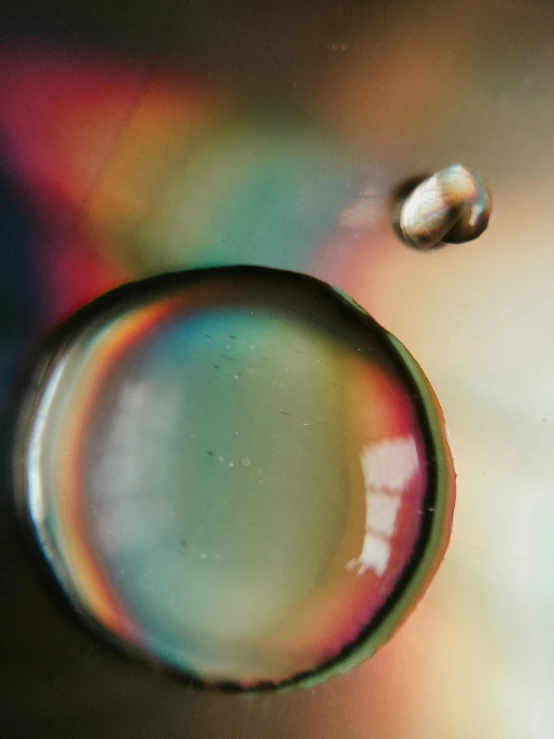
[{"x": 450, "y": 207}]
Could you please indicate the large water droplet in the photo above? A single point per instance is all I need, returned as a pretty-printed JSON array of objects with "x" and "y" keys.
[{"x": 236, "y": 473}]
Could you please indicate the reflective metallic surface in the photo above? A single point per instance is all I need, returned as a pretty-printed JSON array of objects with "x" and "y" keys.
[{"x": 141, "y": 137}]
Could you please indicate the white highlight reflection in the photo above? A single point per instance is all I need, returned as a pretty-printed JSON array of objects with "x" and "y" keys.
[
  {"x": 388, "y": 467},
  {"x": 390, "y": 463}
]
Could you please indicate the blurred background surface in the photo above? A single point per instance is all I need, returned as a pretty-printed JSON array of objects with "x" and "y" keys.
[{"x": 137, "y": 138}]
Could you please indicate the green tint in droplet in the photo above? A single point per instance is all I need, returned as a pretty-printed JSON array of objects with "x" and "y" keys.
[{"x": 234, "y": 472}]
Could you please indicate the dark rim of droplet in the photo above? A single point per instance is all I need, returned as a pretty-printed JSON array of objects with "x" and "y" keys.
[
  {"x": 398, "y": 198},
  {"x": 131, "y": 294}
]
